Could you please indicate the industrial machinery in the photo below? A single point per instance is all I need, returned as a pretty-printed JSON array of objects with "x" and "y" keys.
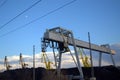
[
  {"x": 46, "y": 60},
  {"x": 44, "y": 57},
  {"x": 60, "y": 39},
  {"x": 85, "y": 59},
  {"x": 6, "y": 63},
  {"x": 22, "y": 63}
]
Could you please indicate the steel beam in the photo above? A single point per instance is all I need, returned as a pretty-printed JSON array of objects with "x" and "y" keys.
[{"x": 54, "y": 36}]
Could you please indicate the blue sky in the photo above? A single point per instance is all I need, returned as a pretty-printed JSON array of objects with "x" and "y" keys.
[{"x": 99, "y": 17}]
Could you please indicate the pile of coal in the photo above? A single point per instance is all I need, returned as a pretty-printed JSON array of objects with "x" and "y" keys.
[{"x": 101, "y": 73}]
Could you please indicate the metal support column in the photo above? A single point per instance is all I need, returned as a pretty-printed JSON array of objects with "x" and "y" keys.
[
  {"x": 112, "y": 59},
  {"x": 100, "y": 58},
  {"x": 111, "y": 55},
  {"x": 55, "y": 58},
  {"x": 77, "y": 58},
  {"x": 59, "y": 65}
]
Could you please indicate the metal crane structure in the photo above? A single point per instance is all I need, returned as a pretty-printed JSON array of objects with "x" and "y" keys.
[
  {"x": 44, "y": 57},
  {"x": 60, "y": 39},
  {"x": 112, "y": 51},
  {"x": 22, "y": 63},
  {"x": 85, "y": 59},
  {"x": 46, "y": 61},
  {"x": 6, "y": 63}
]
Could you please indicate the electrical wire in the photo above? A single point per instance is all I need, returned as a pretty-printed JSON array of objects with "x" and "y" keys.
[
  {"x": 25, "y": 25},
  {"x": 3, "y": 3},
  {"x": 20, "y": 14}
]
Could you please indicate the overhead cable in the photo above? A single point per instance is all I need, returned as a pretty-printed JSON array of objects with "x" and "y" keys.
[
  {"x": 52, "y": 11},
  {"x": 3, "y": 3},
  {"x": 20, "y": 14}
]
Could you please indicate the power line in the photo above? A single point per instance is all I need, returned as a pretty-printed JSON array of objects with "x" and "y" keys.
[
  {"x": 38, "y": 18},
  {"x": 3, "y": 3},
  {"x": 20, "y": 13}
]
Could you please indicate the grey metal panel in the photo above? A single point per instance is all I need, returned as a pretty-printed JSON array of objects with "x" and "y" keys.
[{"x": 79, "y": 43}]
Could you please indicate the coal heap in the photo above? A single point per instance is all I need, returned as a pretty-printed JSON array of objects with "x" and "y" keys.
[
  {"x": 23, "y": 74},
  {"x": 27, "y": 74},
  {"x": 101, "y": 73}
]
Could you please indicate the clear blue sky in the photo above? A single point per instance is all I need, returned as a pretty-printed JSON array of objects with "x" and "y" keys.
[{"x": 99, "y": 17}]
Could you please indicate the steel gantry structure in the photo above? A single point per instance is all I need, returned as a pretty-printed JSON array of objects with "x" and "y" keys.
[{"x": 60, "y": 39}]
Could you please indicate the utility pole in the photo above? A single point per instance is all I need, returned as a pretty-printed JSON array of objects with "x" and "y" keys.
[
  {"x": 91, "y": 59},
  {"x": 33, "y": 62}
]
